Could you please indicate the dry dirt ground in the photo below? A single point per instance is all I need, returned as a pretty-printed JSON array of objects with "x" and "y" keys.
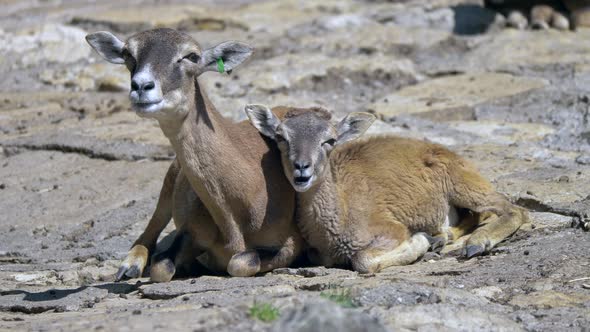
[{"x": 80, "y": 173}]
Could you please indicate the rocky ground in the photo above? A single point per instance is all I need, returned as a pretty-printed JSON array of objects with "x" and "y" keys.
[{"x": 80, "y": 173}]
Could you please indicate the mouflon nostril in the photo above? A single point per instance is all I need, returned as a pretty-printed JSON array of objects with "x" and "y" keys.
[
  {"x": 140, "y": 87},
  {"x": 301, "y": 165},
  {"x": 148, "y": 86},
  {"x": 134, "y": 86}
]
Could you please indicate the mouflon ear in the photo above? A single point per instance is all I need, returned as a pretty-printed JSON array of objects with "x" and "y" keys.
[
  {"x": 107, "y": 45},
  {"x": 232, "y": 53},
  {"x": 263, "y": 119},
  {"x": 353, "y": 126}
]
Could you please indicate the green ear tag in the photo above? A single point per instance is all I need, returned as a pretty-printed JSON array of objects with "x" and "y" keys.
[{"x": 220, "y": 66}]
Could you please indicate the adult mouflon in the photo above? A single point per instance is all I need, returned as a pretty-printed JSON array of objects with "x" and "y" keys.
[
  {"x": 384, "y": 200},
  {"x": 225, "y": 191}
]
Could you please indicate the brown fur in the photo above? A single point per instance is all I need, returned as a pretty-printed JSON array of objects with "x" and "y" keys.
[
  {"x": 380, "y": 200},
  {"x": 179, "y": 199},
  {"x": 319, "y": 111},
  {"x": 225, "y": 191}
]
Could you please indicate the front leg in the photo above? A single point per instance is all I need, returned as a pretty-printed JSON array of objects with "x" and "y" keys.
[
  {"x": 374, "y": 259},
  {"x": 182, "y": 253},
  {"x": 232, "y": 234},
  {"x": 196, "y": 233},
  {"x": 251, "y": 262},
  {"x": 137, "y": 258},
  {"x": 495, "y": 229},
  {"x": 286, "y": 254},
  {"x": 243, "y": 263}
]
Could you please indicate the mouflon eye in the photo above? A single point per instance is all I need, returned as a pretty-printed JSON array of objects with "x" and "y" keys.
[
  {"x": 129, "y": 60},
  {"x": 192, "y": 57},
  {"x": 279, "y": 138},
  {"x": 330, "y": 142}
]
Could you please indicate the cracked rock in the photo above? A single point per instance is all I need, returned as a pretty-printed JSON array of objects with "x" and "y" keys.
[{"x": 59, "y": 300}]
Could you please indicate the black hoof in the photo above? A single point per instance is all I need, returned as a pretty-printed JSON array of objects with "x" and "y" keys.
[
  {"x": 125, "y": 272},
  {"x": 133, "y": 272},
  {"x": 120, "y": 273},
  {"x": 473, "y": 250},
  {"x": 436, "y": 243}
]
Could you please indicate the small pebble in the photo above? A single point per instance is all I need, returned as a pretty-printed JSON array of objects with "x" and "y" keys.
[
  {"x": 185, "y": 298},
  {"x": 586, "y": 286},
  {"x": 2, "y": 186},
  {"x": 583, "y": 159},
  {"x": 193, "y": 281},
  {"x": 526, "y": 252},
  {"x": 137, "y": 312}
]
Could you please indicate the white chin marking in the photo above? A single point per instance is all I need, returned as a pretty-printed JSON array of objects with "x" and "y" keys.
[
  {"x": 303, "y": 187},
  {"x": 147, "y": 109}
]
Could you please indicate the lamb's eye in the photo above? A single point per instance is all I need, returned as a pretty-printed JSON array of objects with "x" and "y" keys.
[
  {"x": 126, "y": 54},
  {"x": 279, "y": 138},
  {"x": 129, "y": 60},
  {"x": 192, "y": 57},
  {"x": 330, "y": 142}
]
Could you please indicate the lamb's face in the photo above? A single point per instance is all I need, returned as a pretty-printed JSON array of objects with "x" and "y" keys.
[
  {"x": 164, "y": 64},
  {"x": 305, "y": 141},
  {"x": 306, "y": 138}
]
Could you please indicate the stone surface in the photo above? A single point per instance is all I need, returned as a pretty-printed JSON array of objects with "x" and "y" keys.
[
  {"x": 549, "y": 299},
  {"x": 94, "y": 77},
  {"x": 449, "y": 318},
  {"x": 508, "y": 50},
  {"x": 326, "y": 316},
  {"x": 546, "y": 219},
  {"x": 204, "y": 284},
  {"x": 310, "y": 272},
  {"x": 58, "y": 300},
  {"x": 48, "y": 43},
  {"x": 287, "y": 72},
  {"x": 80, "y": 173},
  {"x": 399, "y": 294},
  {"x": 453, "y": 98}
]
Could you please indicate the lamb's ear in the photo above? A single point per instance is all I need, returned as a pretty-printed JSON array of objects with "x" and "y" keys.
[
  {"x": 107, "y": 45},
  {"x": 263, "y": 119},
  {"x": 232, "y": 53},
  {"x": 353, "y": 126}
]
